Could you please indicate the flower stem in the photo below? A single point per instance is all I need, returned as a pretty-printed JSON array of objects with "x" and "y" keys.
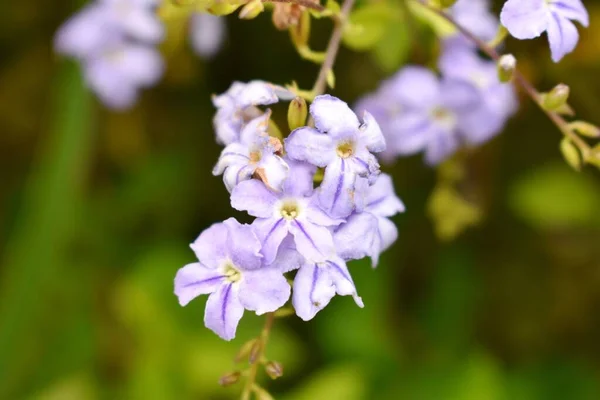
[
  {"x": 332, "y": 48},
  {"x": 520, "y": 79},
  {"x": 255, "y": 363}
]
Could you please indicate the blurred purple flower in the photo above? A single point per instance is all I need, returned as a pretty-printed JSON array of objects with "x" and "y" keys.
[
  {"x": 476, "y": 16},
  {"x": 253, "y": 153},
  {"x": 315, "y": 285},
  {"x": 293, "y": 211},
  {"x": 341, "y": 145},
  {"x": 207, "y": 34},
  {"x": 528, "y": 19},
  {"x": 230, "y": 270},
  {"x": 238, "y": 105}
]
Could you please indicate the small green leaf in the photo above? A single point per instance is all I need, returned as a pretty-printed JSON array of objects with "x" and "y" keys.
[
  {"x": 437, "y": 23},
  {"x": 394, "y": 47},
  {"x": 367, "y": 26}
]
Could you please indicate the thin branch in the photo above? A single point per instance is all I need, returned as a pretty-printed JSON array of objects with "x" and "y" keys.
[
  {"x": 332, "y": 48},
  {"x": 556, "y": 118},
  {"x": 303, "y": 3},
  {"x": 263, "y": 339}
]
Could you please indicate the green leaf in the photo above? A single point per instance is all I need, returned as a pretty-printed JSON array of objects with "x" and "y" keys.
[
  {"x": 368, "y": 25},
  {"x": 394, "y": 47},
  {"x": 437, "y": 23},
  {"x": 343, "y": 382}
]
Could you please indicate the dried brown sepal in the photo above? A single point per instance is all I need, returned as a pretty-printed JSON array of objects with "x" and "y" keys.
[
  {"x": 274, "y": 369},
  {"x": 255, "y": 351},
  {"x": 244, "y": 351},
  {"x": 230, "y": 378}
]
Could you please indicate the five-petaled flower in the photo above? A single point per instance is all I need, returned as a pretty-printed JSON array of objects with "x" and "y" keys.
[
  {"x": 231, "y": 270},
  {"x": 340, "y": 144},
  {"x": 528, "y": 19}
]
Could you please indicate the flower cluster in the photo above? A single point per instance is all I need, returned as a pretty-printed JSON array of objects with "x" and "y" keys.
[
  {"x": 115, "y": 42},
  {"x": 464, "y": 106},
  {"x": 297, "y": 227}
]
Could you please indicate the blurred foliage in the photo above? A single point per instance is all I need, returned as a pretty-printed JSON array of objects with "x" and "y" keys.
[{"x": 97, "y": 209}]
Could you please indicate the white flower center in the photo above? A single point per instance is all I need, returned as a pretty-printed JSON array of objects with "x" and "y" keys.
[
  {"x": 345, "y": 149},
  {"x": 232, "y": 274},
  {"x": 289, "y": 209}
]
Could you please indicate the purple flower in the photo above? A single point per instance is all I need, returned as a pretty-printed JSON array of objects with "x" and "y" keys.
[
  {"x": 315, "y": 285},
  {"x": 431, "y": 113},
  {"x": 238, "y": 105},
  {"x": 369, "y": 232},
  {"x": 230, "y": 270},
  {"x": 253, "y": 153},
  {"x": 118, "y": 71},
  {"x": 528, "y": 19},
  {"x": 497, "y": 101},
  {"x": 207, "y": 34},
  {"x": 341, "y": 145},
  {"x": 292, "y": 211},
  {"x": 136, "y": 18}
]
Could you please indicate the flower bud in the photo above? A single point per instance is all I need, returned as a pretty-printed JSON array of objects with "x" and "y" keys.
[
  {"x": 230, "y": 379},
  {"x": 571, "y": 154},
  {"x": 274, "y": 369},
  {"x": 556, "y": 98},
  {"x": 255, "y": 351},
  {"x": 297, "y": 113},
  {"x": 301, "y": 31},
  {"x": 506, "y": 67},
  {"x": 585, "y": 129},
  {"x": 252, "y": 9},
  {"x": 245, "y": 350}
]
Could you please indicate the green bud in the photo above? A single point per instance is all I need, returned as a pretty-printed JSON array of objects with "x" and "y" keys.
[
  {"x": 274, "y": 369},
  {"x": 245, "y": 350},
  {"x": 301, "y": 31},
  {"x": 252, "y": 9},
  {"x": 585, "y": 129},
  {"x": 330, "y": 79},
  {"x": 556, "y": 98},
  {"x": 570, "y": 153},
  {"x": 297, "y": 113},
  {"x": 230, "y": 379},
  {"x": 506, "y": 67},
  {"x": 255, "y": 351}
]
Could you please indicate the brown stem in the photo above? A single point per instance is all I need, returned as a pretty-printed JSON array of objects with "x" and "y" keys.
[
  {"x": 332, "y": 48},
  {"x": 303, "y": 3},
  {"x": 556, "y": 118},
  {"x": 263, "y": 339}
]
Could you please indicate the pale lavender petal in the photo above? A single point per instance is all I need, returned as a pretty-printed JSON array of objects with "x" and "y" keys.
[
  {"x": 357, "y": 238},
  {"x": 344, "y": 286},
  {"x": 255, "y": 198},
  {"x": 143, "y": 65},
  {"x": 270, "y": 232},
  {"x": 370, "y": 134},
  {"x": 314, "y": 242},
  {"x": 207, "y": 34},
  {"x": 288, "y": 258},
  {"x": 571, "y": 9},
  {"x": 264, "y": 290},
  {"x": 300, "y": 178},
  {"x": 210, "y": 247},
  {"x": 195, "y": 279},
  {"x": 442, "y": 145},
  {"x": 234, "y": 154},
  {"x": 415, "y": 87},
  {"x": 525, "y": 19},
  {"x": 275, "y": 170},
  {"x": 313, "y": 290},
  {"x": 388, "y": 233},
  {"x": 414, "y": 131},
  {"x": 255, "y": 131},
  {"x": 256, "y": 93},
  {"x": 336, "y": 193},
  {"x": 308, "y": 144},
  {"x": 243, "y": 245},
  {"x": 381, "y": 199},
  {"x": 141, "y": 24},
  {"x": 85, "y": 33},
  {"x": 236, "y": 174},
  {"x": 224, "y": 311},
  {"x": 319, "y": 217},
  {"x": 333, "y": 116},
  {"x": 114, "y": 90},
  {"x": 227, "y": 125},
  {"x": 562, "y": 35}
]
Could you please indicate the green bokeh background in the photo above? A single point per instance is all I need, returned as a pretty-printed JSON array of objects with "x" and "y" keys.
[{"x": 97, "y": 209}]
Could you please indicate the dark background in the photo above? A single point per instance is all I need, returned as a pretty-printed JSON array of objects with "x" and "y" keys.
[{"x": 97, "y": 210}]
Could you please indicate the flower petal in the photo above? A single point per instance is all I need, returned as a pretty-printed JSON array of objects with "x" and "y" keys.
[
  {"x": 210, "y": 247},
  {"x": 415, "y": 87},
  {"x": 333, "y": 116},
  {"x": 270, "y": 232},
  {"x": 233, "y": 154},
  {"x": 299, "y": 182},
  {"x": 288, "y": 258},
  {"x": 313, "y": 290},
  {"x": 308, "y": 144},
  {"x": 344, "y": 286},
  {"x": 336, "y": 193},
  {"x": 562, "y": 35},
  {"x": 571, "y": 9},
  {"x": 243, "y": 245},
  {"x": 387, "y": 232},
  {"x": 381, "y": 199},
  {"x": 237, "y": 173},
  {"x": 224, "y": 311},
  {"x": 525, "y": 19},
  {"x": 207, "y": 34},
  {"x": 442, "y": 144},
  {"x": 314, "y": 242},
  {"x": 370, "y": 134},
  {"x": 264, "y": 290},
  {"x": 195, "y": 279},
  {"x": 273, "y": 170},
  {"x": 256, "y": 93},
  {"x": 253, "y": 197},
  {"x": 357, "y": 238}
]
